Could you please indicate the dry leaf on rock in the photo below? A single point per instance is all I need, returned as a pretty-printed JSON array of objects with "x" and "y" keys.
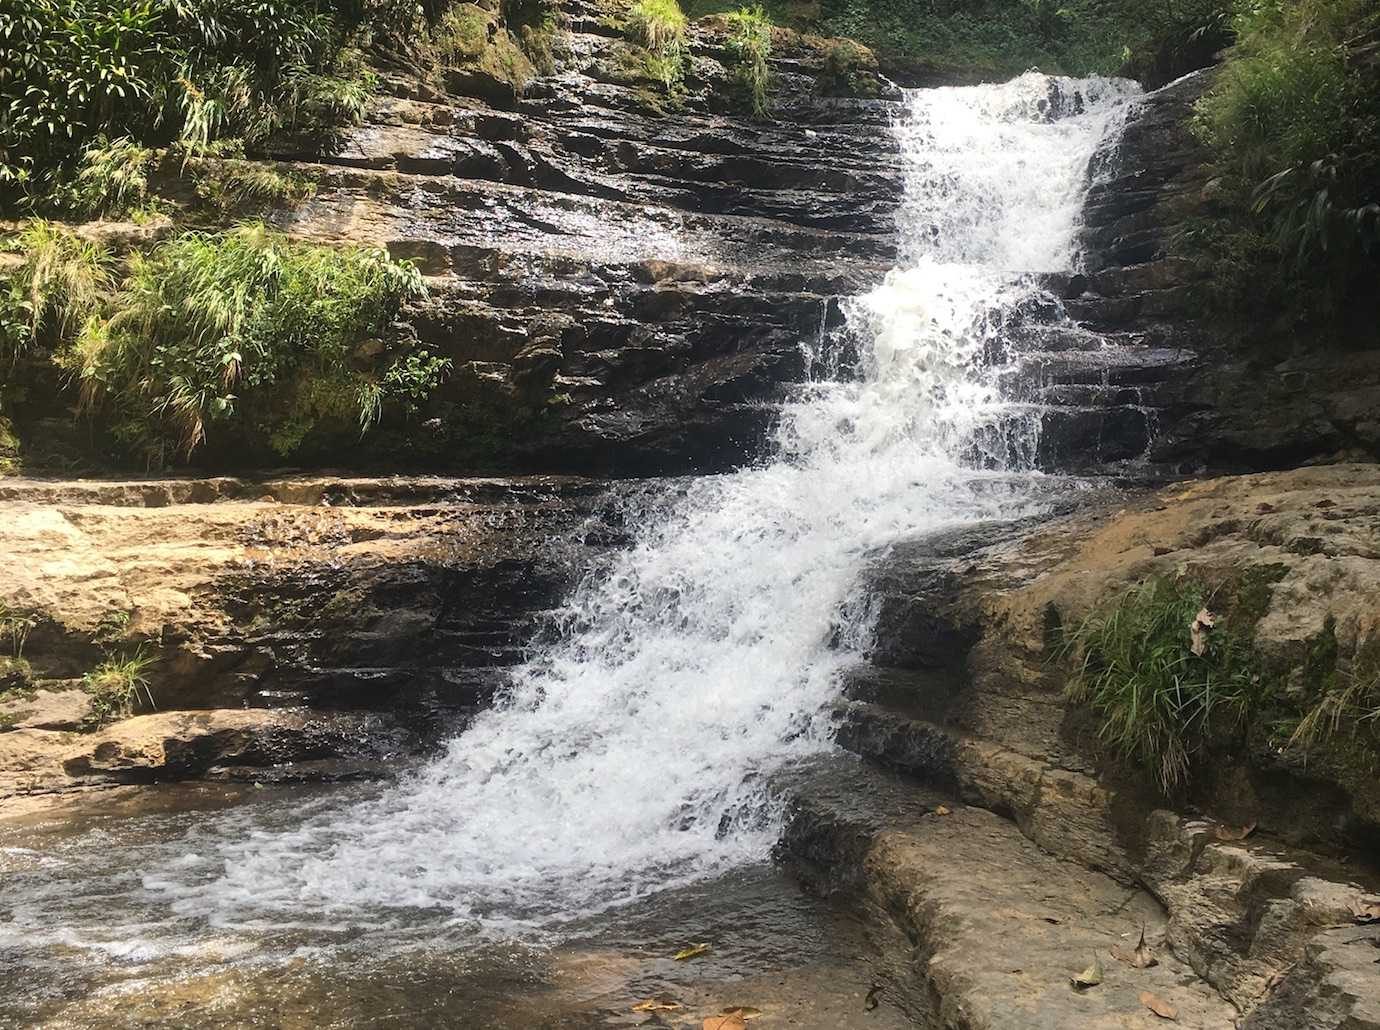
[
  {"x": 661, "y": 1004},
  {"x": 943, "y": 810},
  {"x": 1366, "y": 911},
  {"x": 1090, "y": 977},
  {"x": 1141, "y": 958},
  {"x": 1159, "y": 1006},
  {"x": 1233, "y": 833},
  {"x": 724, "y": 1023},
  {"x": 694, "y": 951},
  {"x": 1198, "y": 631}
]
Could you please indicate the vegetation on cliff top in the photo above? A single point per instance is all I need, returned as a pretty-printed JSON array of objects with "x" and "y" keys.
[
  {"x": 1293, "y": 123},
  {"x": 658, "y": 26},
  {"x": 242, "y": 332},
  {"x": 1006, "y": 37},
  {"x": 749, "y": 49}
]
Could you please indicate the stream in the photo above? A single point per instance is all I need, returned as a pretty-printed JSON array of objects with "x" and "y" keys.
[{"x": 622, "y": 801}]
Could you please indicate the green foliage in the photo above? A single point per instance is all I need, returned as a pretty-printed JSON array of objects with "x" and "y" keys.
[
  {"x": 839, "y": 72},
  {"x": 237, "y": 186},
  {"x": 749, "y": 50},
  {"x": 1294, "y": 126},
  {"x": 210, "y": 326},
  {"x": 146, "y": 73},
  {"x": 658, "y": 26},
  {"x": 61, "y": 284},
  {"x": 1155, "y": 41},
  {"x": 119, "y": 686},
  {"x": 1158, "y": 702},
  {"x": 243, "y": 330},
  {"x": 462, "y": 33},
  {"x": 112, "y": 177},
  {"x": 510, "y": 45}
]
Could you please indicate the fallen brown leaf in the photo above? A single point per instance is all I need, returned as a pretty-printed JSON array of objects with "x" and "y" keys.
[
  {"x": 1159, "y": 1006},
  {"x": 1366, "y": 911},
  {"x": 724, "y": 1023},
  {"x": 943, "y": 810},
  {"x": 745, "y": 1012},
  {"x": 662, "y": 1004},
  {"x": 1090, "y": 977},
  {"x": 694, "y": 951},
  {"x": 1198, "y": 631},
  {"x": 1233, "y": 833}
]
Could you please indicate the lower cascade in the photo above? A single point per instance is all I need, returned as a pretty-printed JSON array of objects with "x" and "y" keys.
[{"x": 638, "y": 748}]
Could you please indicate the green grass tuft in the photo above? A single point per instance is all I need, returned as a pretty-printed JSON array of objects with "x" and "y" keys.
[
  {"x": 749, "y": 50},
  {"x": 1157, "y": 701},
  {"x": 119, "y": 687},
  {"x": 658, "y": 26}
]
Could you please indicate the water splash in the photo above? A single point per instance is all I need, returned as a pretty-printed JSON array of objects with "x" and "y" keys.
[{"x": 636, "y": 750}]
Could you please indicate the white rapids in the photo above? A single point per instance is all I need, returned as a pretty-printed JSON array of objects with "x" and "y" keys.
[{"x": 636, "y": 751}]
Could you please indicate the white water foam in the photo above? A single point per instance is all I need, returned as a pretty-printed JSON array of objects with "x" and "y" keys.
[{"x": 635, "y": 752}]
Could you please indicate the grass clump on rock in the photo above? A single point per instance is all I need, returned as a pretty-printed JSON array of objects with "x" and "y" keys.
[
  {"x": 749, "y": 51},
  {"x": 1162, "y": 676},
  {"x": 658, "y": 26},
  {"x": 118, "y": 687}
]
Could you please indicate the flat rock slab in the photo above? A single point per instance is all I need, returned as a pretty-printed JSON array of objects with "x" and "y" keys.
[
  {"x": 46, "y": 710},
  {"x": 1000, "y": 926}
]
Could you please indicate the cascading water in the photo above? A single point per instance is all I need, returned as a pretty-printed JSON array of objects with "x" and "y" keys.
[
  {"x": 636, "y": 751},
  {"x": 640, "y": 748}
]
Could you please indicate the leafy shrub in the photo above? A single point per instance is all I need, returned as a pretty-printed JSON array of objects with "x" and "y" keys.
[
  {"x": 245, "y": 321},
  {"x": 749, "y": 48},
  {"x": 244, "y": 330},
  {"x": 153, "y": 72},
  {"x": 1294, "y": 126},
  {"x": 658, "y": 26},
  {"x": 1159, "y": 702}
]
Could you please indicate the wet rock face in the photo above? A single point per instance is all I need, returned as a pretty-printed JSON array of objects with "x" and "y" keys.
[
  {"x": 406, "y": 596},
  {"x": 1195, "y": 396},
  {"x": 621, "y": 287}
]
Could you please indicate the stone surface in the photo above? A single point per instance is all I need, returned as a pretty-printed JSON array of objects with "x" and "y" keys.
[
  {"x": 235, "y": 743},
  {"x": 1233, "y": 394},
  {"x": 969, "y": 698},
  {"x": 999, "y": 926},
  {"x": 45, "y": 710},
  {"x": 408, "y": 595}
]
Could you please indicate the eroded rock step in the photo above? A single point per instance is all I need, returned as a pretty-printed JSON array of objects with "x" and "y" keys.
[
  {"x": 302, "y": 619},
  {"x": 999, "y": 926}
]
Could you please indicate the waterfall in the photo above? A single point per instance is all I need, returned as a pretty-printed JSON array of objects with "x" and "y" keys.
[{"x": 638, "y": 747}]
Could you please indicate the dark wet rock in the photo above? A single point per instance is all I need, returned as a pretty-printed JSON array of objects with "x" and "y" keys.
[{"x": 1234, "y": 399}]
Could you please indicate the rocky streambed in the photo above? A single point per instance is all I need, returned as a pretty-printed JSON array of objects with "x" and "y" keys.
[{"x": 198, "y": 661}]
